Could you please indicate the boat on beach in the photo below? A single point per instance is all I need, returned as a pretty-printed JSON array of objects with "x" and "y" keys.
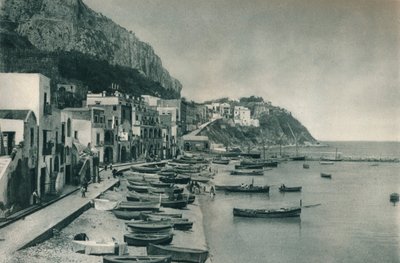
[
  {"x": 104, "y": 204},
  {"x": 179, "y": 179},
  {"x": 220, "y": 161},
  {"x": 139, "y": 188},
  {"x": 180, "y": 254},
  {"x": 144, "y": 169},
  {"x": 178, "y": 204},
  {"x": 136, "y": 259},
  {"x": 325, "y": 175},
  {"x": 284, "y": 188},
  {"x": 138, "y": 206},
  {"x": 268, "y": 213},
  {"x": 128, "y": 215},
  {"x": 142, "y": 240},
  {"x": 90, "y": 247},
  {"x": 149, "y": 227}
]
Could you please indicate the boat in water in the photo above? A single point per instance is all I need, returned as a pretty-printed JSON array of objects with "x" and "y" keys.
[
  {"x": 325, "y": 175},
  {"x": 306, "y": 166},
  {"x": 249, "y": 166},
  {"x": 268, "y": 213},
  {"x": 248, "y": 189},
  {"x": 256, "y": 172},
  {"x": 326, "y": 162},
  {"x": 394, "y": 197},
  {"x": 136, "y": 259},
  {"x": 179, "y": 254},
  {"x": 284, "y": 188}
]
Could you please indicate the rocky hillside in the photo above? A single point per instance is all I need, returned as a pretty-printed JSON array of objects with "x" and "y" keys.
[
  {"x": 57, "y": 26},
  {"x": 277, "y": 126}
]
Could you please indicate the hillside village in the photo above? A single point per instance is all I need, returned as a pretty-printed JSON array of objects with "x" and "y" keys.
[{"x": 54, "y": 140}]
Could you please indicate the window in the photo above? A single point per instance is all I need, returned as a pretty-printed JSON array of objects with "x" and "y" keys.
[
  {"x": 96, "y": 119},
  {"x": 116, "y": 121},
  {"x": 76, "y": 135},
  {"x": 97, "y": 138},
  {"x": 114, "y": 108},
  {"x": 32, "y": 136},
  {"x": 69, "y": 127}
]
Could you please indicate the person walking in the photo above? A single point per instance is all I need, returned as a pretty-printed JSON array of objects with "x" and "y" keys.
[
  {"x": 83, "y": 191},
  {"x": 212, "y": 192}
]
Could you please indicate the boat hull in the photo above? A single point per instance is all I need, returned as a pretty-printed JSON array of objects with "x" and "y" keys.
[
  {"x": 179, "y": 254},
  {"x": 263, "y": 213},
  {"x": 142, "y": 240},
  {"x": 254, "y": 189},
  {"x": 290, "y": 189},
  {"x": 137, "y": 259}
]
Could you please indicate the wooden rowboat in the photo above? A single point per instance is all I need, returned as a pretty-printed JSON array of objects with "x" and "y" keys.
[
  {"x": 264, "y": 213},
  {"x": 138, "y": 206},
  {"x": 128, "y": 215},
  {"x": 142, "y": 240},
  {"x": 290, "y": 189},
  {"x": 90, "y": 247},
  {"x": 179, "y": 204},
  {"x": 221, "y": 161},
  {"x": 261, "y": 172},
  {"x": 149, "y": 227},
  {"x": 137, "y": 259},
  {"x": 180, "y": 254},
  {"x": 249, "y": 166},
  {"x": 325, "y": 175},
  {"x": 144, "y": 169},
  {"x": 248, "y": 189}
]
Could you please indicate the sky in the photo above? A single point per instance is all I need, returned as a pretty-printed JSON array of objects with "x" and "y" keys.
[{"x": 333, "y": 64}]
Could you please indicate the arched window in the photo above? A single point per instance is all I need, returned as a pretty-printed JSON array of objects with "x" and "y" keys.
[{"x": 69, "y": 127}]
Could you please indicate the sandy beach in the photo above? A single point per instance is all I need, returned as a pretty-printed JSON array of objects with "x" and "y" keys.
[{"x": 103, "y": 226}]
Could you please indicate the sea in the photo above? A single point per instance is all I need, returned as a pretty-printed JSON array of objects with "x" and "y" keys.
[{"x": 348, "y": 218}]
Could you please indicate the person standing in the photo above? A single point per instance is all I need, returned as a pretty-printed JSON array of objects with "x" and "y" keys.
[{"x": 83, "y": 191}]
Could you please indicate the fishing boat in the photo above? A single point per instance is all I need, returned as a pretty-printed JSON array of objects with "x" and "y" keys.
[
  {"x": 134, "y": 196},
  {"x": 223, "y": 187},
  {"x": 180, "y": 254},
  {"x": 175, "y": 190},
  {"x": 149, "y": 227},
  {"x": 160, "y": 184},
  {"x": 178, "y": 204},
  {"x": 248, "y": 189},
  {"x": 104, "y": 204},
  {"x": 326, "y": 162},
  {"x": 268, "y": 213},
  {"x": 284, "y": 188},
  {"x": 394, "y": 197},
  {"x": 179, "y": 179},
  {"x": 138, "y": 206},
  {"x": 128, "y": 215},
  {"x": 178, "y": 223},
  {"x": 249, "y": 166},
  {"x": 90, "y": 247},
  {"x": 137, "y": 259},
  {"x": 145, "y": 216},
  {"x": 142, "y": 240},
  {"x": 139, "y": 188},
  {"x": 325, "y": 175},
  {"x": 220, "y": 161},
  {"x": 144, "y": 169},
  {"x": 264, "y": 163},
  {"x": 261, "y": 172},
  {"x": 136, "y": 183}
]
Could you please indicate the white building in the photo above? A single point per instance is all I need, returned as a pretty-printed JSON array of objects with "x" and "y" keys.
[{"x": 242, "y": 116}]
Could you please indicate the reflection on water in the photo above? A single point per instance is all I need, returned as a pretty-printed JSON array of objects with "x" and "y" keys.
[{"x": 355, "y": 222}]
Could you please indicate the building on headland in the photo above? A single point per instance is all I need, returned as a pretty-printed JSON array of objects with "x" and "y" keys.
[{"x": 242, "y": 117}]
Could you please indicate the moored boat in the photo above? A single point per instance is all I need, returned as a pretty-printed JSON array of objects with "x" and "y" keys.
[
  {"x": 306, "y": 166},
  {"x": 248, "y": 189},
  {"x": 137, "y": 259},
  {"x": 260, "y": 172},
  {"x": 180, "y": 254},
  {"x": 223, "y": 187},
  {"x": 144, "y": 169},
  {"x": 325, "y": 175},
  {"x": 326, "y": 162},
  {"x": 394, "y": 197},
  {"x": 249, "y": 166},
  {"x": 284, "y": 188},
  {"x": 221, "y": 161},
  {"x": 137, "y": 239},
  {"x": 268, "y": 213}
]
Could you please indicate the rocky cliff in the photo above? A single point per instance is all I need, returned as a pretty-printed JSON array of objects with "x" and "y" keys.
[{"x": 69, "y": 25}]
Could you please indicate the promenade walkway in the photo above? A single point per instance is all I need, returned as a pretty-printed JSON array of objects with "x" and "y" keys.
[{"x": 39, "y": 226}]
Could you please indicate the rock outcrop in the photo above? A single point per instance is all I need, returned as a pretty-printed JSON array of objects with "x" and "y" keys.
[{"x": 69, "y": 25}]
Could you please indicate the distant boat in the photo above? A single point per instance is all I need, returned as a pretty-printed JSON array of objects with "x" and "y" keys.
[
  {"x": 179, "y": 254},
  {"x": 326, "y": 162},
  {"x": 325, "y": 175},
  {"x": 142, "y": 240},
  {"x": 394, "y": 197},
  {"x": 290, "y": 189},
  {"x": 223, "y": 187},
  {"x": 248, "y": 189},
  {"x": 306, "y": 166},
  {"x": 252, "y": 173},
  {"x": 335, "y": 159},
  {"x": 265, "y": 213},
  {"x": 298, "y": 158},
  {"x": 221, "y": 161},
  {"x": 249, "y": 166},
  {"x": 136, "y": 259}
]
